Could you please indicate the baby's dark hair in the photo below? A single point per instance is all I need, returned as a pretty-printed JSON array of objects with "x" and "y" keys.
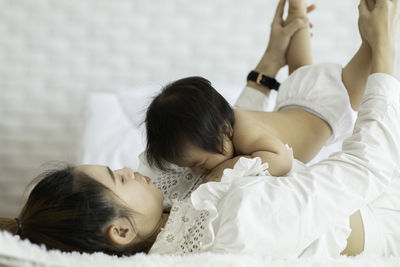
[{"x": 187, "y": 110}]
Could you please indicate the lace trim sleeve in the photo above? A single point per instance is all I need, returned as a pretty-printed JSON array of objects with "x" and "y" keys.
[{"x": 177, "y": 183}]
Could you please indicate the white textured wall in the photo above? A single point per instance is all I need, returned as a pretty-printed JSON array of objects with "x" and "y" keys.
[{"x": 53, "y": 52}]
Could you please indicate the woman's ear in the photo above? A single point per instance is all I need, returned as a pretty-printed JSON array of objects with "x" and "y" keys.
[{"x": 121, "y": 232}]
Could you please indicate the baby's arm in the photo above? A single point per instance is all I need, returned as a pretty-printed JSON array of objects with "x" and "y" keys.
[
  {"x": 216, "y": 174},
  {"x": 251, "y": 142},
  {"x": 256, "y": 143}
]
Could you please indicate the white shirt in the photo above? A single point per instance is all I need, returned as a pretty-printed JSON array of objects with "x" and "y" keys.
[{"x": 281, "y": 217}]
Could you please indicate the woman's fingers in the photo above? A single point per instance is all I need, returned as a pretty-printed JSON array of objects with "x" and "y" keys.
[{"x": 279, "y": 10}]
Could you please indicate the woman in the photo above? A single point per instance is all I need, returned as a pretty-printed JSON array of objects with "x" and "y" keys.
[{"x": 91, "y": 208}]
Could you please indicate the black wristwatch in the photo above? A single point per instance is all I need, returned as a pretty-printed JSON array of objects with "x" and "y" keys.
[{"x": 263, "y": 80}]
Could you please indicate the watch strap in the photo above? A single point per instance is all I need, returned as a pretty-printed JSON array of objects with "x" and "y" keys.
[{"x": 263, "y": 80}]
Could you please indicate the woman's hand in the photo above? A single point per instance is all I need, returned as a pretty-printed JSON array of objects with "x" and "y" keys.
[
  {"x": 378, "y": 25},
  {"x": 280, "y": 35}
]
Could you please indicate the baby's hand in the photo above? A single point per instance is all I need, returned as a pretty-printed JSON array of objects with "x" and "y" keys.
[
  {"x": 212, "y": 178},
  {"x": 215, "y": 174}
]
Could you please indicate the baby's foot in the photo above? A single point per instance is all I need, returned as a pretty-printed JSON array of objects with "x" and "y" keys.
[{"x": 298, "y": 8}]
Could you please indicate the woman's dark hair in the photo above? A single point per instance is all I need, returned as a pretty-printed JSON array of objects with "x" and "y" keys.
[
  {"x": 70, "y": 211},
  {"x": 187, "y": 110}
]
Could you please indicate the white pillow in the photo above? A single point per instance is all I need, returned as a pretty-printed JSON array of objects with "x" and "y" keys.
[{"x": 109, "y": 136}]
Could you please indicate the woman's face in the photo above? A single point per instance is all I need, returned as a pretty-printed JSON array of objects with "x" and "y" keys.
[{"x": 135, "y": 191}]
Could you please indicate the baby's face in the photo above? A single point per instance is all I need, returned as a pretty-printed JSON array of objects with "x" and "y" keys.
[{"x": 202, "y": 161}]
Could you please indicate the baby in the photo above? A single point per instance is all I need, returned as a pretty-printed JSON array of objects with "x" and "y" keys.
[{"x": 191, "y": 125}]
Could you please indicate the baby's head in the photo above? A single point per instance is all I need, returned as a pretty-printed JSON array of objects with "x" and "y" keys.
[
  {"x": 190, "y": 124},
  {"x": 90, "y": 208}
]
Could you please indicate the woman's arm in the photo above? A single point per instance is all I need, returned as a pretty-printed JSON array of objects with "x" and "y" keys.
[
  {"x": 337, "y": 187},
  {"x": 274, "y": 57},
  {"x": 255, "y": 96},
  {"x": 313, "y": 200},
  {"x": 292, "y": 212}
]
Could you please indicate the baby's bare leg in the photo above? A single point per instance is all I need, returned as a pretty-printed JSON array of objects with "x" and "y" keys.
[
  {"x": 299, "y": 52},
  {"x": 308, "y": 141},
  {"x": 356, "y": 72}
]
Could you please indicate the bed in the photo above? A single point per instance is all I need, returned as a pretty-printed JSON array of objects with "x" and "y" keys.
[{"x": 112, "y": 134}]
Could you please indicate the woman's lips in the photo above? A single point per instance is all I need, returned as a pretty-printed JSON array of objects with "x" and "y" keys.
[{"x": 148, "y": 180}]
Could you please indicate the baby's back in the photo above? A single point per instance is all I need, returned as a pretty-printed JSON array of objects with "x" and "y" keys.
[{"x": 301, "y": 130}]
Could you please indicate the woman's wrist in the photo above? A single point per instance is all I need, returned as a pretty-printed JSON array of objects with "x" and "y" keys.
[
  {"x": 383, "y": 59},
  {"x": 268, "y": 65}
]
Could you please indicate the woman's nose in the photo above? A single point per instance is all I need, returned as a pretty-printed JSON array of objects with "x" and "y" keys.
[{"x": 125, "y": 171}]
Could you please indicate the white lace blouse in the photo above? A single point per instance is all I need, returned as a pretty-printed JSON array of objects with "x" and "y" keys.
[{"x": 177, "y": 183}]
